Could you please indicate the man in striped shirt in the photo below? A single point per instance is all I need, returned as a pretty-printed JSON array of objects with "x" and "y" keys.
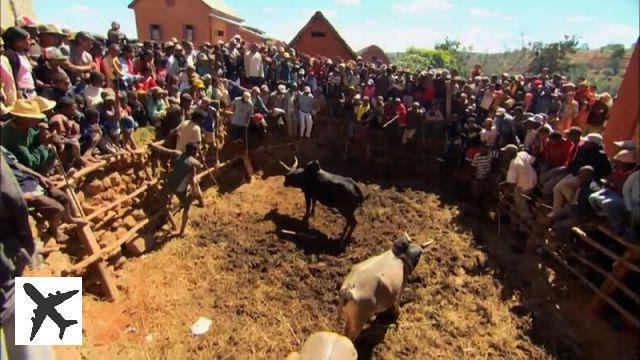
[{"x": 482, "y": 165}]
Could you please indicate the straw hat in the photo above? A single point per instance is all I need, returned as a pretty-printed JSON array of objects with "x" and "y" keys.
[
  {"x": 26, "y": 109},
  {"x": 606, "y": 97},
  {"x": 51, "y": 29},
  {"x": 626, "y": 156},
  {"x": 108, "y": 94},
  {"x": 44, "y": 104},
  {"x": 594, "y": 138}
]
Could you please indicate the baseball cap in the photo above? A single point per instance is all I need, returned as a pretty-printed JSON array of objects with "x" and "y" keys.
[
  {"x": 54, "y": 53},
  {"x": 510, "y": 147}
]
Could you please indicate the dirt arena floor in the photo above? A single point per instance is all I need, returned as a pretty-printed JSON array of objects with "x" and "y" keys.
[{"x": 266, "y": 291}]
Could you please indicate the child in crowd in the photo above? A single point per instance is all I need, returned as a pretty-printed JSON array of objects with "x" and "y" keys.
[
  {"x": 109, "y": 118},
  {"x": 128, "y": 124},
  {"x": 93, "y": 92}
]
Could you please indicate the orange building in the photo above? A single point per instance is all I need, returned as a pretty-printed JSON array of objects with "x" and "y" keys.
[
  {"x": 320, "y": 38},
  {"x": 198, "y": 21},
  {"x": 373, "y": 54}
]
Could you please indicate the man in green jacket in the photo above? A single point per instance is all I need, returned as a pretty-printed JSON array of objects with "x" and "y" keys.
[{"x": 27, "y": 143}]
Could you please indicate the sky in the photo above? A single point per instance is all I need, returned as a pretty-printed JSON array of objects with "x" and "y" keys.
[{"x": 394, "y": 25}]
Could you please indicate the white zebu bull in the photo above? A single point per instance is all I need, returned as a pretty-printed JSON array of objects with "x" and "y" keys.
[
  {"x": 325, "y": 346},
  {"x": 376, "y": 284}
]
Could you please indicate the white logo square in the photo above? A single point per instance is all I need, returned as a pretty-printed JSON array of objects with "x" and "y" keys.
[{"x": 48, "y": 311}]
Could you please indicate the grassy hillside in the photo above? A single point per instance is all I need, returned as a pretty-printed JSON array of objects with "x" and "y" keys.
[{"x": 596, "y": 65}]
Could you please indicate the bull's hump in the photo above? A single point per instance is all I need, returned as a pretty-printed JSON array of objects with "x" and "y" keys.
[{"x": 366, "y": 274}]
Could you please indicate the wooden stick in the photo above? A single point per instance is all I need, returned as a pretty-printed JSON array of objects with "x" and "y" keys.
[
  {"x": 212, "y": 170},
  {"x": 618, "y": 272},
  {"x": 607, "y": 231},
  {"x": 633, "y": 296},
  {"x": 627, "y": 315},
  {"x": 296, "y": 233},
  {"x": 87, "y": 170},
  {"x": 114, "y": 204},
  {"x": 86, "y": 235},
  {"x": 284, "y": 319},
  {"x": 390, "y": 121},
  {"x": 582, "y": 235}
]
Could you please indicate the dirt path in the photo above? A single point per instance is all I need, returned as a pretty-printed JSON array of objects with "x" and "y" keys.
[{"x": 266, "y": 292}]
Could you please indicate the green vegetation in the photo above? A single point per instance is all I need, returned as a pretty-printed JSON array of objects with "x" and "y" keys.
[
  {"x": 603, "y": 68},
  {"x": 415, "y": 59}
]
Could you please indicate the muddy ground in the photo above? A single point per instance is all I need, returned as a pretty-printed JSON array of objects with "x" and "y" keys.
[
  {"x": 474, "y": 295},
  {"x": 266, "y": 292}
]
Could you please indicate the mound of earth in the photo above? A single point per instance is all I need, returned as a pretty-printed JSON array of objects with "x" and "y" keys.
[{"x": 267, "y": 291}]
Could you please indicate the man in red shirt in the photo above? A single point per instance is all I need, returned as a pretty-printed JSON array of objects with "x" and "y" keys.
[
  {"x": 401, "y": 112},
  {"x": 552, "y": 175},
  {"x": 556, "y": 151}
]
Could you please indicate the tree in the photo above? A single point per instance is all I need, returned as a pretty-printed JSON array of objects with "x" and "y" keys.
[
  {"x": 553, "y": 55},
  {"x": 416, "y": 60},
  {"x": 615, "y": 59}
]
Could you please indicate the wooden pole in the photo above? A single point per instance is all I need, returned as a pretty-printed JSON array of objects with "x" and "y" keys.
[
  {"x": 582, "y": 235},
  {"x": 114, "y": 204},
  {"x": 109, "y": 249},
  {"x": 614, "y": 278},
  {"x": 86, "y": 236},
  {"x": 606, "y": 298},
  {"x": 608, "y": 278}
]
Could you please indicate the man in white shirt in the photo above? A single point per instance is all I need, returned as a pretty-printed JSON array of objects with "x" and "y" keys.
[
  {"x": 189, "y": 130},
  {"x": 522, "y": 177},
  {"x": 253, "y": 70}
]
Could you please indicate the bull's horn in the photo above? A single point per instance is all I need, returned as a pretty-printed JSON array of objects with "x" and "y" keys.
[
  {"x": 285, "y": 166},
  {"x": 295, "y": 162},
  {"x": 406, "y": 236}
]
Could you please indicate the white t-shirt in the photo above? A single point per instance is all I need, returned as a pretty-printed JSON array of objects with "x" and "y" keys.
[
  {"x": 253, "y": 65},
  {"x": 521, "y": 172},
  {"x": 187, "y": 131},
  {"x": 93, "y": 95}
]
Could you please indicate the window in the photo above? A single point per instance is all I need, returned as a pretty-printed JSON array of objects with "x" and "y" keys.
[
  {"x": 154, "y": 32},
  {"x": 318, "y": 34},
  {"x": 169, "y": 3},
  {"x": 188, "y": 34},
  {"x": 220, "y": 33}
]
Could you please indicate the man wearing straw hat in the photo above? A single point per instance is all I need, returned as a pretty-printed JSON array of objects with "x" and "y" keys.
[
  {"x": 22, "y": 139},
  {"x": 599, "y": 113}
]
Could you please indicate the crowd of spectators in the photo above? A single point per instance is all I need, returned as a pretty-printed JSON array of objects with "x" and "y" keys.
[{"x": 69, "y": 98}]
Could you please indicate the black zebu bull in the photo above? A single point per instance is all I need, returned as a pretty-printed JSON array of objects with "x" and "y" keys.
[{"x": 331, "y": 190}]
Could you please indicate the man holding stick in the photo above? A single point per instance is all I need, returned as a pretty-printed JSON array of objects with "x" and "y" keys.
[{"x": 181, "y": 176}]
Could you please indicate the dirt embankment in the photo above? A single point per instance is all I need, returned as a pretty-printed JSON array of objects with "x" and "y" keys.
[{"x": 265, "y": 292}]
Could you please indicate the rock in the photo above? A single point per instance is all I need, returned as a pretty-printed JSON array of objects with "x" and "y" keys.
[
  {"x": 115, "y": 179},
  {"x": 129, "y": 222},
  {"x": 58, "y": 262},
  {"x": 141, "y": 245},
  {"x": 116, "y": 224},
  {"x": 121, "y": 232},
  {"x": 93, "y": 188},
  {"x": 121, "y": 261},
  {"x": 106, "y": 183},
  {"x": 107, "y": 238},
  {"x": 139, "y": 215}
]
